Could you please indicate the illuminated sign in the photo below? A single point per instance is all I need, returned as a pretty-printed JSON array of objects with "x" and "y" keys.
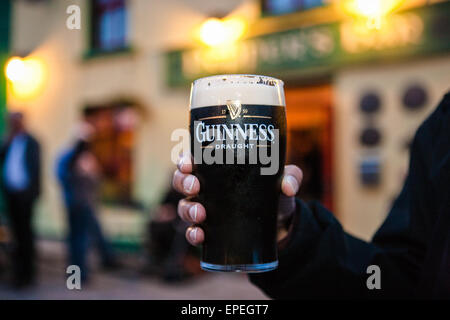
[{"x": 321, "y": 48}]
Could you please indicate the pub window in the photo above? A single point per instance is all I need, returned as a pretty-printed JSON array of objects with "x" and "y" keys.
[
  {"x": 109, "y": 25},
  {"x": 279, "y": 7},
  {"x": 112, "y": 146}
]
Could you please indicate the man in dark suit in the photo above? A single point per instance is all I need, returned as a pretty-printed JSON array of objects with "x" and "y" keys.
[{"x": 21, "y": 177}]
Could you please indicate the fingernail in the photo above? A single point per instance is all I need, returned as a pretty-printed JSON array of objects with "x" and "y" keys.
[
  {"x": 180, "y": 163},
  {"x": 193, "y": 213},
  {"x": 293, "y": 183},
  {"x": 193, "y": 234},
  {"x": 188, "y": 183}
]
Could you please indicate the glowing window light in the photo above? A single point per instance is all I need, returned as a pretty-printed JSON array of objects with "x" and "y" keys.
[
  {"x": 216, "y": 32},
  {"x": 372, "y": 10},
  {"x": 25, "y": 75}
]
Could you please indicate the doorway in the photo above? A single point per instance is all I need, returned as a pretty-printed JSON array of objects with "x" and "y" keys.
[
  {"x": 113, "y": 146},
  {"x": 309, "y": 118}
]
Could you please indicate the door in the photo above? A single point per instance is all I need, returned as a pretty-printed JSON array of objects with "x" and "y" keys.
[{"x": 309, "y": 117}]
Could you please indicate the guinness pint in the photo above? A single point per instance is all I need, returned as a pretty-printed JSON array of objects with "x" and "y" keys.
[{"x": 238, "y": 142}]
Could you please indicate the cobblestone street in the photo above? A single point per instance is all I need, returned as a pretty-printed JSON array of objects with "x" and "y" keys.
[{"x": 127, "y": 283}]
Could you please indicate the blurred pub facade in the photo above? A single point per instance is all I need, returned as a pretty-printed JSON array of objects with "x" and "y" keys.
[{"x": 356, "y": 89}]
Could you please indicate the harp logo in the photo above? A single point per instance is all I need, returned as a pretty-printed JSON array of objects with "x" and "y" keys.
[{"x": 235, "y": 108}]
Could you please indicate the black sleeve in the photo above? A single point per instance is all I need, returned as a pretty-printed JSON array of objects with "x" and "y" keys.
[{"x": 320, "y": 260}]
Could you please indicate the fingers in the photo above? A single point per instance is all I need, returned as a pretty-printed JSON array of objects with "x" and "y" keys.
[
  {"x": 292, "y": 180},
  {"x": 195, "y": 213},
  {"x": 195, "y": 235},
  {"x": 185, "y": 183},
  {"x": 185, "y": 164},
  {"x": 191, "y": 212}
]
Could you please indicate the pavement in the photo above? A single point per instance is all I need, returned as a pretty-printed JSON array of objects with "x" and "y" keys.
[{"x": 126, "y": 284}]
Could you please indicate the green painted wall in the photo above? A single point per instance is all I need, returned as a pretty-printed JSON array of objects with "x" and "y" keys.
[{"x": 5, "y": 19}]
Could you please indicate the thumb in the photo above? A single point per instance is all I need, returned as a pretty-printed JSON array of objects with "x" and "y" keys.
[{"x": 289, "y": 186}]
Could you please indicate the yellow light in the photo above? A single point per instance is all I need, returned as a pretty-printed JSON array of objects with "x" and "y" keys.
[
  {"x": 372, "y": 10},
  {"x": 235, "y": 28},
  {"x": 369, "y": 8},
  {"x": 212, "y": 32},
  {"x": 218, "y": 32},
  {"x": 26, "y": 77},
  {"x": 15, "y": 69}
]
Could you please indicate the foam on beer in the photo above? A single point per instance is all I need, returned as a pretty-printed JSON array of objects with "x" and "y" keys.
[{"x": 249, "y": 89}]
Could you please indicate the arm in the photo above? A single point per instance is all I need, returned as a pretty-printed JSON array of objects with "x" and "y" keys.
[
  {"x": 319, "y": 259},
  {"x": 66, "y": 162}
]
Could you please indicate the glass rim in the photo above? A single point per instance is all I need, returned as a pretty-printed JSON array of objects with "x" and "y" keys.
[{"x": 237, "y": 76}]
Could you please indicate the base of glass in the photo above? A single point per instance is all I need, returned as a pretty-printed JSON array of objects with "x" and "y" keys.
[{"x": 247, "y": 268}]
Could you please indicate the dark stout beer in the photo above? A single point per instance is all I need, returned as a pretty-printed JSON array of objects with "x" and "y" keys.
[{"x": 238, "y": 141}]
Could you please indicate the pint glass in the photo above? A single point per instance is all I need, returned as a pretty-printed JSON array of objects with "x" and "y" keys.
[{"x": 238, "y": 143}]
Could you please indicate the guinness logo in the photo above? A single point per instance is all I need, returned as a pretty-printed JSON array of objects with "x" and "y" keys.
[{"x": 235, "y": 108}]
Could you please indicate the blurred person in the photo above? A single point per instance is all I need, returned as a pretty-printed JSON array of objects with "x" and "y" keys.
[
  {"x": 20, "y": 157},
  {"x": 318, "y": 259},
  {"x": 170, "y": 255},
  {"x": 79, "y": 174}
]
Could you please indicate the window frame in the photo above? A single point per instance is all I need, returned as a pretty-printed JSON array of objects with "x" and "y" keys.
[
  {"x": 91, "y": 50},
  {"x": 266, "y": 13}
]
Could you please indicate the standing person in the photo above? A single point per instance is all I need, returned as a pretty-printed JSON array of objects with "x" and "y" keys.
[
  {"x": 21, "y": 180},
  {"x": 78, "y": 172}
]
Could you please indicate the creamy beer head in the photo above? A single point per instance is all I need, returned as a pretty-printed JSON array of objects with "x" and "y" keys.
[{"x": 248, "y": 89}]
